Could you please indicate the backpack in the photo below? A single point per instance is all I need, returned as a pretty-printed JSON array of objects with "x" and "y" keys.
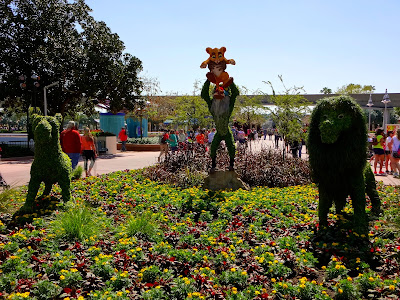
[{"x": 163, "y": 139}]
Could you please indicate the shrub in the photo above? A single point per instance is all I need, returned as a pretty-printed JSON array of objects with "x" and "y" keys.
[
  {"x": 77, "y": 173},
  {"x": 188, "y": 167},
  {"x": 144, "y": 140},
  {"x": 144, "y": 225},
  {"x": 78, "y": 223}
]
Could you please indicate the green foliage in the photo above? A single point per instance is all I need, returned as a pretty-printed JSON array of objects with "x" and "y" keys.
[
  {"x": 355, "y": 89},
  {"x": 144, "y": 140},
  {"x": 337, "y": 144},
  {"x": 57, "y": 40},
  {"x": 291, "y": 107},
  {"x": 249, "y": 110},
  {"x": 50, "y": 164},
  {"x": 145, "y": 225},
  {"x": 77, "y": 173},
  {"x": 326, "y": 90},
  {"x": 7, "y": 196},
  {"x": 78, "y": 223},
  {"x": 102, "y": 133},
  {"x": 46, "y": 289},
  {"x": 191, "y": 110}
]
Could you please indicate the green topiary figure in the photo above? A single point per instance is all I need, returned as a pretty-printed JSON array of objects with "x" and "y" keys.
[
  {"x": 337, "y": 147},
  {"x": 50, "y": 164},
  {"x": 221, "y": 110}
]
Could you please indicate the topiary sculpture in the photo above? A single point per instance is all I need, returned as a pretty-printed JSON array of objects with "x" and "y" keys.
[
  {"x": 221, "y": 110},
  {"x": 337, "y": 147},
  {"x": 50, "y": 164}
]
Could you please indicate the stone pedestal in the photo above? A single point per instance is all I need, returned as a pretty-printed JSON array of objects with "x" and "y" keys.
[{"x": 224, "y": 180}]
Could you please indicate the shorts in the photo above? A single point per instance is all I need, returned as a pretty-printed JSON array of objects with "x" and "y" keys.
[
  {"x": 379, "y": 151},
  {"x": 388, "y": 152}
]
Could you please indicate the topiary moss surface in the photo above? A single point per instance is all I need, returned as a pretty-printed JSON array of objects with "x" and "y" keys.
[{"x": 337, "y": 147}]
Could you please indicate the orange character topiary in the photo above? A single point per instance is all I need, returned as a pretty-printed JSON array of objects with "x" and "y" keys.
[{"x": 217, "y": 65}]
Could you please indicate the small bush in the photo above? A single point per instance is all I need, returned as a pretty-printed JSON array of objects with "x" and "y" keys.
[
  {"x": 188, "y": 167},
  {"x": 144, "y": 140},
  {"x": 77, "y": 173},
  {"x": 78, "y": 223},
  {"x": 144, "y": 225}
]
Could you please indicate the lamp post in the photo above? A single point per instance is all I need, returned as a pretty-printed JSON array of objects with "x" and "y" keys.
[
  {"x": 35, "y": 80},
  {"x": 369, "y": 104},
  {"x": 385, "y": 101},
  {"x": 45, "y": 96}
]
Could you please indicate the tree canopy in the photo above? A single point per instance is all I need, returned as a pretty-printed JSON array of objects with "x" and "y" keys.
[
  {"x": 355, "y": 89},
  {"x": 43, "y": 42}
]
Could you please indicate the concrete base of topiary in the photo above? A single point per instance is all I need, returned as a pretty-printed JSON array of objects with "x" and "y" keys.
[{"x": 224, "y": 180}]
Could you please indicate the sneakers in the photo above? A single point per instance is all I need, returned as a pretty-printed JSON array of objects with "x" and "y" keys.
[
  {"x": 395, "y": 174},
  {"x": 375, "y": 173},
  {"x": 381, "y": 173}
]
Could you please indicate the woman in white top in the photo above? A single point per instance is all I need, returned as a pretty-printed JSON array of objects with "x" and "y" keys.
[
  {"x": 388, "y": 152},
  {"x": 395, "y": 153}
]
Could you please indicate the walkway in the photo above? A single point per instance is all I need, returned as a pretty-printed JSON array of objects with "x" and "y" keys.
[{"x": 17, "y": 172}]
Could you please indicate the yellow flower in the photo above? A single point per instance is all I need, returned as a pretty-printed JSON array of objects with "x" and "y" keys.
[
  {"x": 371, "y": 279},
  {"x": 234, "y": 290},
  {"x": 392, "y": 287},
  {"x": 340, "y": 291},
  {"x": 233, "y": 270},
  {"x": 62, "y": 277}
]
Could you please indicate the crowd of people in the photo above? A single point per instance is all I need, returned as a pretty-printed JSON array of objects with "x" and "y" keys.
[
  {"x": 174, "y": 140},
  {"x": 386, "y": 148}
]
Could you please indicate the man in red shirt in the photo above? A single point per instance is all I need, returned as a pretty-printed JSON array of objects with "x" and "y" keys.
[
  {"x": 71, "y": 143},
  {"x": 123, "y": 137}
]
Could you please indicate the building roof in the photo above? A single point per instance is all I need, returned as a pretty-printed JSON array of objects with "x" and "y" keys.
[{"x": 361, "y": 99}]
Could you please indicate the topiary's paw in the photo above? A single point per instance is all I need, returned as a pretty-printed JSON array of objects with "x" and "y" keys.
[
  {"x": 228, "y": 82},
  {"x": 212, "y": 170},
  {"x": 26, "y": 208},
  {"x": 231, "y": 168},
  {"x": 211, "y": 77}
]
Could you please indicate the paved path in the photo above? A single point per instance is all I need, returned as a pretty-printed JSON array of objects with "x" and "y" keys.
[{"x": 16, "y": 172}]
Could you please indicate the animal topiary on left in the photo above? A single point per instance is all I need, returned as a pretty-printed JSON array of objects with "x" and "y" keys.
[
  {"x": 337, "y": 147},
  {"x": 50, "y": 164}
]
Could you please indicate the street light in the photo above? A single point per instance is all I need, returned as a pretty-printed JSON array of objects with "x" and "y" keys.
[
  {"x": 45, "y": 96},
  {"x": 385, "y": 101},
  {"x": 369, "y": 104}
]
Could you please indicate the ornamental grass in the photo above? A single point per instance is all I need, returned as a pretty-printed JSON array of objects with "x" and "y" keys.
[{"x": 123, "y": 236}]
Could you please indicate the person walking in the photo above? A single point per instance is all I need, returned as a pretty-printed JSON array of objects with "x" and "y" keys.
[
  {"x": 379, "y": 153},
  {"x": 396, "y": 154},
  {"x": 163, "y": 144},
  {"x": 173, "y": 141},
  {"x": 123, "y": 137},
  {"x": 70, "y": 141},
  {"x": 388, "y": 152},
  {"x": 211, "y": 136},
  {"x": 89, "y": 151}
]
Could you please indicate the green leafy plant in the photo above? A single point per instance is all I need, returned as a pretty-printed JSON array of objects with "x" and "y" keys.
[
  {"x": 78, "y": 223},
  {"x": 144, "y": 225},
  {"x": 45, "y": 289}
]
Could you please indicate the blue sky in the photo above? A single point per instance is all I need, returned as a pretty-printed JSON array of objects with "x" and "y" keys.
[{"x": 311, "y": 43}]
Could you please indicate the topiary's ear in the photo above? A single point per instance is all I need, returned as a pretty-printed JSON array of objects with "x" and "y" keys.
[
  {"x": 223, "y": 50},
  {"x": 58, "y": 117},
  {"x": 208, "y": 50},
  {"x": 35, "y": 121}
]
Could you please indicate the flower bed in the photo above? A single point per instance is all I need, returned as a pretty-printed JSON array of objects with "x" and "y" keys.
[{"x": 125, "y": 237}]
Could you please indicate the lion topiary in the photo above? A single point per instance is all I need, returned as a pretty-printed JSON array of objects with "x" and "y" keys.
[
  {"x": 337, "y": 147},
  {"x": 50, "y": 164}
]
